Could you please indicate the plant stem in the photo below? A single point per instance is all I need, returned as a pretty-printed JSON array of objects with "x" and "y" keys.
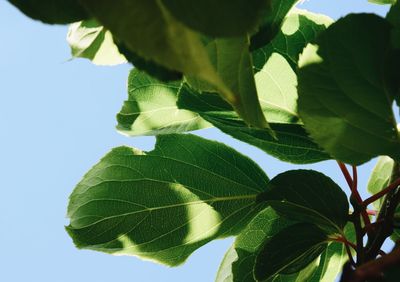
[
  {"x": 347, "y": 245},
  {"x": 373, "y": 269},
  {"x": 382, "y": 193}
]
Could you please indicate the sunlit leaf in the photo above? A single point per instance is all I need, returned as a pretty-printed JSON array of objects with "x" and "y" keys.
[
  {"x": 151, "y": 108},
  {"x": 88, "y": 39},
  {"x": 164, "y": 204}
]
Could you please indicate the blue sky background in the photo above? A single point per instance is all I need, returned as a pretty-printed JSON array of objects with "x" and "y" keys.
[{"x": 57, "y": 119}]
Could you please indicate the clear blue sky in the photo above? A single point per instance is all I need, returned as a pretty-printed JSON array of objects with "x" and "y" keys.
[{"x": 56, "y": 121}]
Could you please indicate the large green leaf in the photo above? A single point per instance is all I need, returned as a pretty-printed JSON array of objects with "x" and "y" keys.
[
  {"x": 289, "y": 251},
  {"x": 88, "y": 39},
  {"x": 309, "y": 196},
  {"x": 164, "y": 204},
  {"x": 344, "y": 100},
  {"x": 239, "y": 261},
  {"x": 271, "y": 22},
  {"x": 380, "y": 178},
  {"x": 299, "y": 28},
  {"x": 219, "y": 18},
  {"x": 52, "y": 11},
  {"x": 151, "y": 108},
  {"x": 150, "y": 31}
]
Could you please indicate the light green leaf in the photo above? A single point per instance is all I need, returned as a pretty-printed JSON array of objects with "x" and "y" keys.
[
  {"x": 276, "y": 85},
  {"x": 299, "y": 28},
  {"x": 380, "y": 178},
  {"x": 308, "y": 196},
  {"x": 88, "y": 39},
  {"x": 344, "y": 100},
  {"x": 238, "y": 263},
  {"x": 164, "y": 204},
  {"x": 150, "y": 31},
  {"x": 219, "y": 18},
  {"x": 52, "y": 11},
  {"x": 151, "y": 108},
  {"x": 289, "y": 251},
  {"x": 271, "y": 22}
]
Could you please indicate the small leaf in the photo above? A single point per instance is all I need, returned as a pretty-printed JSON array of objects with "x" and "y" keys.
[
  {"x": 308, "y": 196},
  {"x": 380, "y": 178},
  {"x": 165, "y": 204},
  {"x": 88, "y": 39},
  {"x": 52, "y": 11},
  {"x": 219, "y": 18},
  {"x": 151, "y": 108},
  {"x": 343, "y": 99},
  {"x": 289, "y": 251},
  {"x": 271, "y": 22}
]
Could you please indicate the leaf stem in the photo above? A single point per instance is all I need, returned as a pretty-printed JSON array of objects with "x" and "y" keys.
[
  {"x": 382, "y": 193},
  {"x": 347, "y": 245}
]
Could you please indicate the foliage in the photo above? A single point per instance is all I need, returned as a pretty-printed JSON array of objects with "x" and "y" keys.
[{"x": 293, "y": 83}]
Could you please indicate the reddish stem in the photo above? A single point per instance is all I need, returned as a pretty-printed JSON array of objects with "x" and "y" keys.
[
  {"x": 382, "y": 193},
  {"x": 372, "y": 212},
  {"x": 347, "y": 244}
]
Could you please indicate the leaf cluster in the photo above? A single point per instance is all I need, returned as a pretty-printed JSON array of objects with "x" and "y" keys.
[{"x": 298, "y": 85}]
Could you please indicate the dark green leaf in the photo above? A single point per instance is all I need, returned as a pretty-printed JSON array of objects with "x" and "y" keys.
[
  {"x": 219, "y": 18},
  {"x": 299, "y": 28},
  {"x": 289, "y": 251},
  {"x": 88, "y": 39},
  {"x": 239, "y": 261},
  {"x": 164, "y": 204},
  {"x": 155, "y": 70},
  {"x": 52, "y": 11},
  {"x": 271, "y": 22},
  {"x": 309, "y": 196},
  {"x": 232, "y": 60},
  {"x": 151, "y": 108},
  {"x": 150, "y": 31},
  {"x": 344, "y": 100}
]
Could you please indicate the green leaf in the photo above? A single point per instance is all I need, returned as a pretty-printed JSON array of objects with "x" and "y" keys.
[
  {"x": 271, "y": 22},
  {"x": 151, "y": 108},
  {"x": 239, "y": 261},
  {"x": 150, "y": 31},
  {"x": 383, "y": 2},
  {"x": 380, "y": 178},
  {"x": 276, "y": 85},
  {"x": 88, "y": 39},
  {"x": 164, "y": 204},
  {"x": 289, "y": 251},
  {"x": 344, "y": 100},
  {"x": 232, "y": 60},
  {"x": 219, "y": 18},
  {"x": 155, "y": 70},
  {"x": 308, "y": 196},
  {"x": 299, "y": 28},
  {"x": 52, "y": 11}
]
